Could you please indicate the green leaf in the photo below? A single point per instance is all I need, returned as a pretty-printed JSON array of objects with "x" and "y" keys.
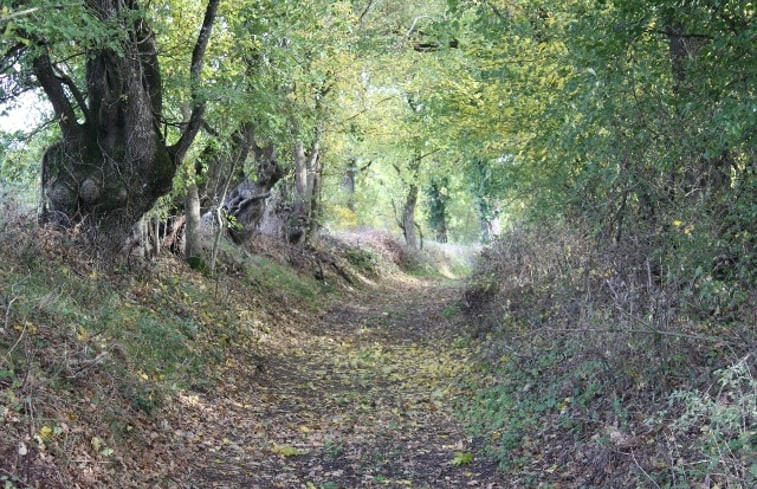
[{"x": 462, "y": 458}]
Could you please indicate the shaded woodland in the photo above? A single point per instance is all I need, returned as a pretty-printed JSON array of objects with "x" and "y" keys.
[{"x": 228, "y": 177}]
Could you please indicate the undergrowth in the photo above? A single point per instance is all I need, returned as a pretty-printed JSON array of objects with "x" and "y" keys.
[{"x": 609, "y": 367}]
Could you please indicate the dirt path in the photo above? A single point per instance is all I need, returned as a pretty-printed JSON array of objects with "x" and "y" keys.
[{"x": 361, "y": 399}]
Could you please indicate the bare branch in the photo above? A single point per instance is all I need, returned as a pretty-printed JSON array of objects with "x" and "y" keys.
[
  {"x": 363, "y": 111},
  {"x": 496, "y": 11},
  {"x": 415, "y": 21},
  {"x": 365, "y": 167}
]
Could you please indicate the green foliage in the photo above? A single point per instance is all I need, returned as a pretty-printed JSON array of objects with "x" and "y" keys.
[
  {"x": 718, "y": 425},
  {"x": 366, "y": 261},
  {"x": 199, "y": 264},
  {"x": 462, "y": 458},
  {"x": 273, "y": 276},
  {"x": 19, "y": 172}
]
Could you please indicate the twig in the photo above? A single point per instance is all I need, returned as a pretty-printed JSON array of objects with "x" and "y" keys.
[
  {"x": 15, "y": 481},
  {"x": 412, "y": 27},
  {"x": 18, "y": 340},
  {"x": 633, "y": 457},
  {"x": 497, "y": 12},
  {"x": 650, "y": 331},
  {"x": 8, "y": 314},
  {"x": 364, "y": 12}
]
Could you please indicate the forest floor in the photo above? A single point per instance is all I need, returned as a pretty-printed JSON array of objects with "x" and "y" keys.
[{"x": 362, "y": 397}]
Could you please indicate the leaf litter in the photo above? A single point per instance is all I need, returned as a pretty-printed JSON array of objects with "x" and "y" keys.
[{"x": 361, "y": 397}]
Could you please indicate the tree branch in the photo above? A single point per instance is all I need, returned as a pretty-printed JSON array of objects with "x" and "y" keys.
[
  {"x": 29, "y": 11},
  {"x": 51, "y": 84},
  {"x": 691, "y": 35},
  {"x": 415, "y": 22},
  {"x": 426, "y": 47},
  {"x": 363, "y": 111},
  {"x": 399, "y": 173},
  {"x": 428, "y": 154},
  {"x": 364, "y": 12},
  {"x": 496, "y": 11},
  {"x": 365, "y": 167},
  {"x": 66, "y": 80},
  {"x": 179, "y": 150}
]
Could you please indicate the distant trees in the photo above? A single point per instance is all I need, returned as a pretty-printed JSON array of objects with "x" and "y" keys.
[{"x": 438, "y": 196}]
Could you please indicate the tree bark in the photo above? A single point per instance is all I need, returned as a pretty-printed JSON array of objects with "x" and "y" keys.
[
  {"x": 406, "y": 221},
  {"x": 110, "y": 168},
  {"x": 247, "y": 201},
  {"x": 349, "y": 180},
  {"x": 348, "y": 183},
  {"x": 315, "y": 179}
]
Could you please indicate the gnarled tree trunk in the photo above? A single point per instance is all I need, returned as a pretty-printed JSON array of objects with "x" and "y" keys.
[
  {"x": 247, "y": 201},
  {"x": 112, "y": 163}
]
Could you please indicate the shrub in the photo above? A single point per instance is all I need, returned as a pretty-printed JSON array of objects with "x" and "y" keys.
[{"x": 583, "y": 339}]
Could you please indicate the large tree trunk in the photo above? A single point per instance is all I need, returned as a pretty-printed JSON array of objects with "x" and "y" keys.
[
  {"x": 406, "y": 221},
  {"x": 110, "y": 168}
]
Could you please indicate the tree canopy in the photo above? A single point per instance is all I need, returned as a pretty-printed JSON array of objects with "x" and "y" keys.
[{"x": 632, "y": 115}]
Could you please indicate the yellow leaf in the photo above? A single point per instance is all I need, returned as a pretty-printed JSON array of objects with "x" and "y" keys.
[
  {"x": 288, "y": 450},
  {"x": 45, "y": 433},
  {"x": 96, "y": 443}
]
